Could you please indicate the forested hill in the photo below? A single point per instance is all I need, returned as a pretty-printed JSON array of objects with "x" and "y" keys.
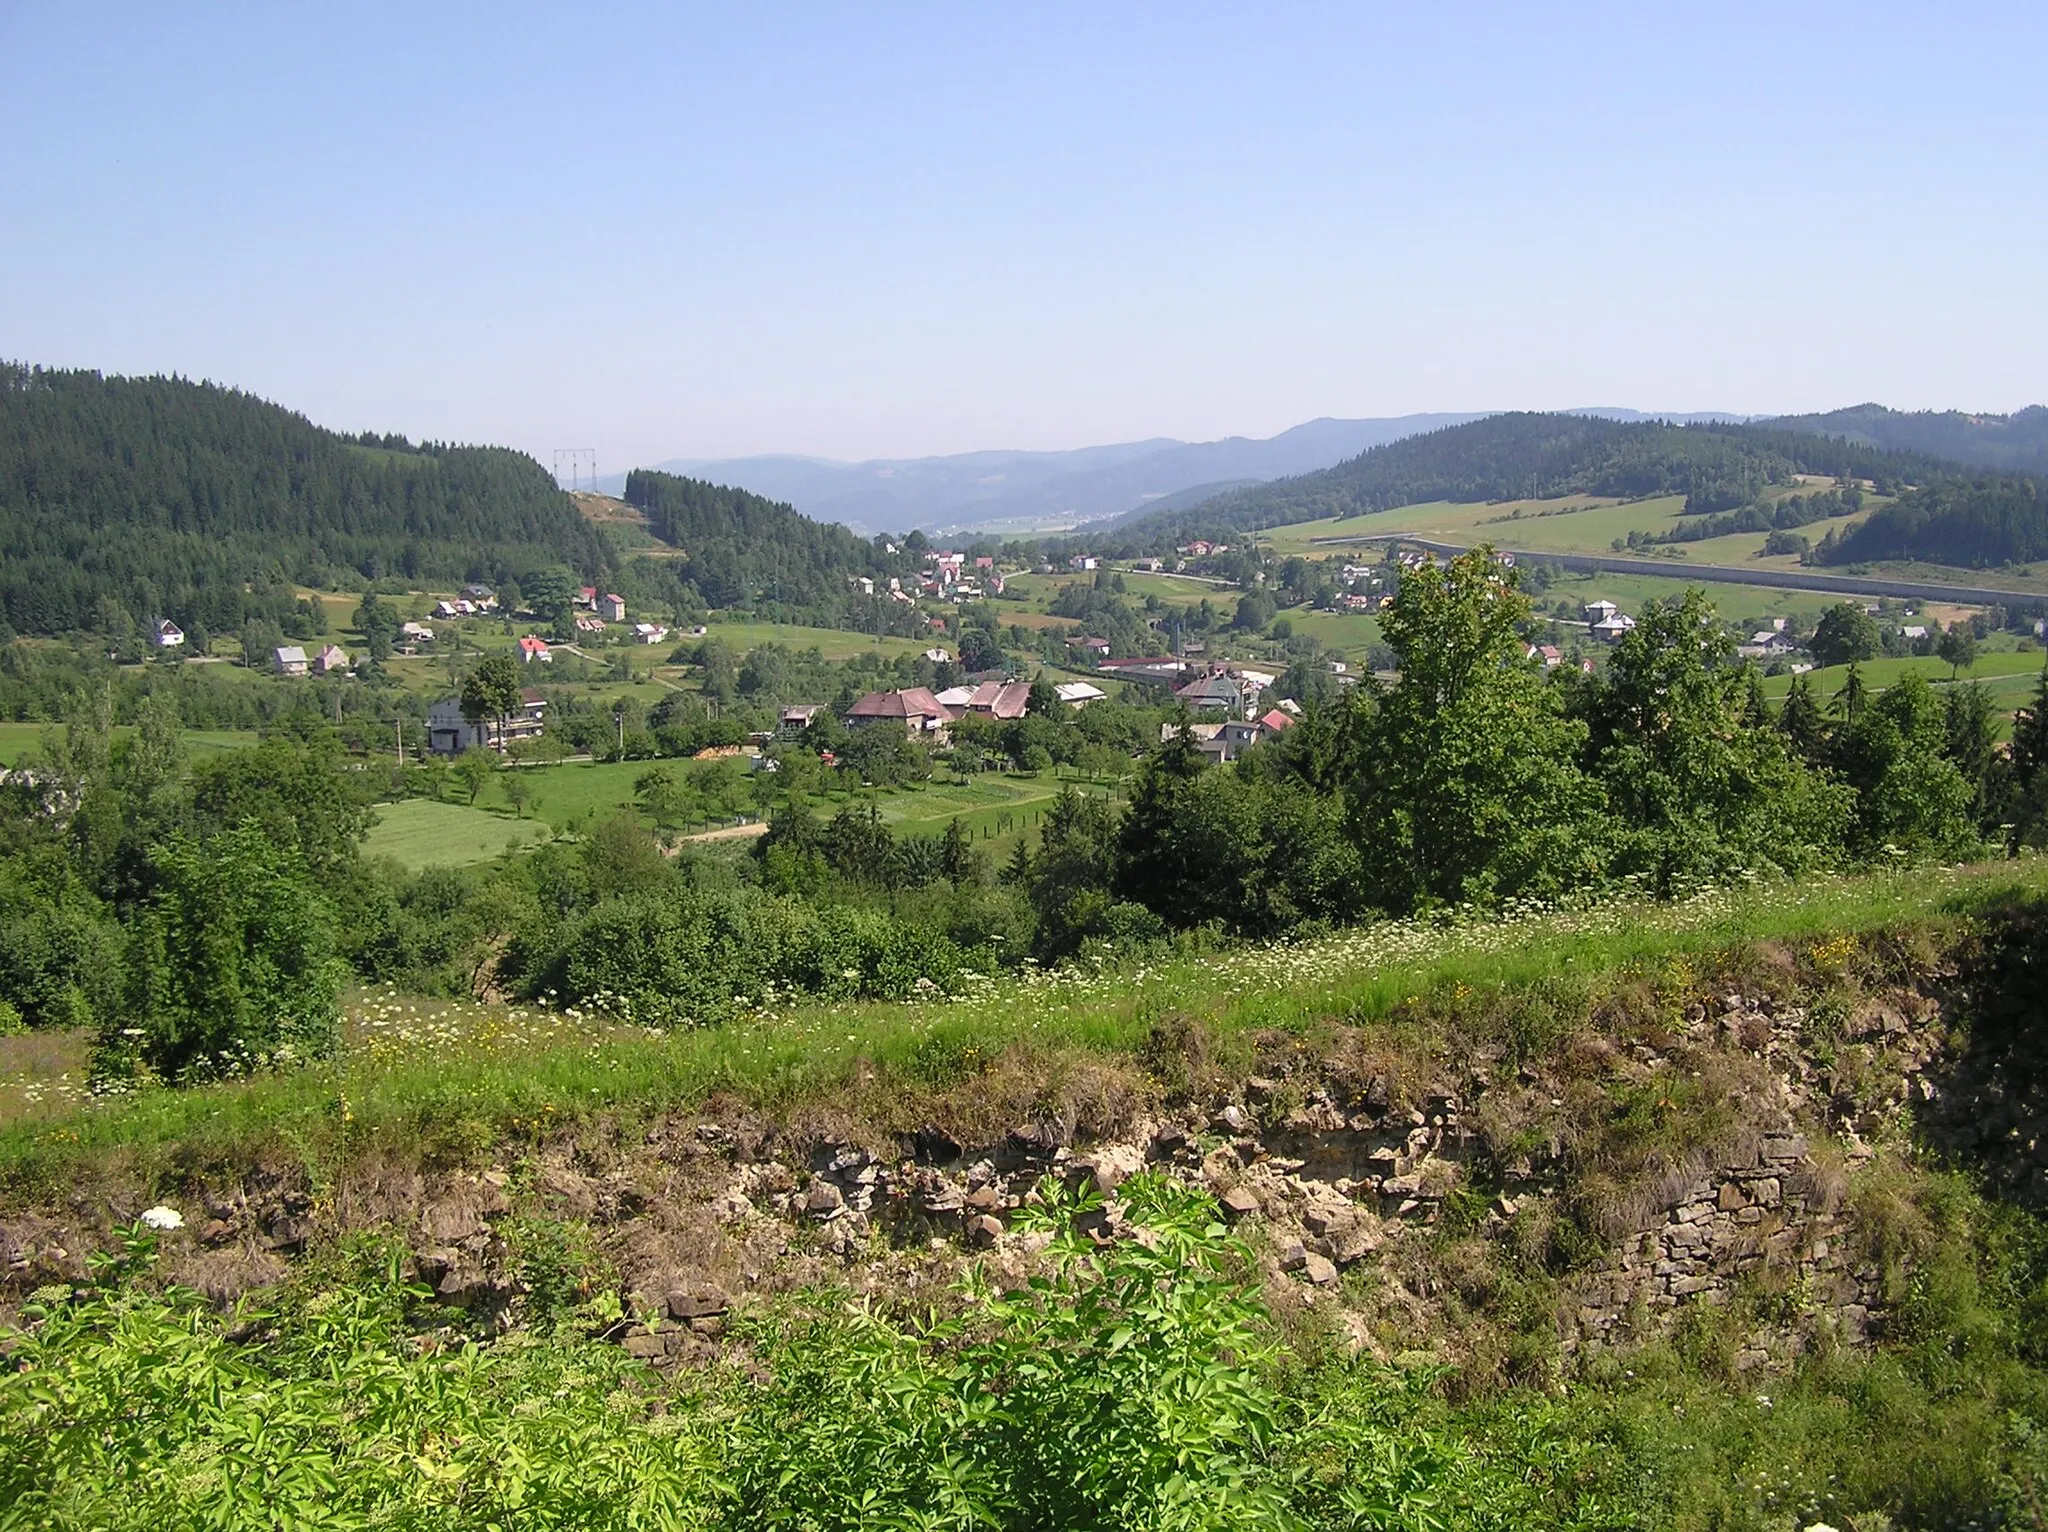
[
  {"x": 171, "y": 499},
  {"x": 1503, "y": 457},
  {"x": 738, "y": 545},
  {"x": 2015, "y": 443},
  {"x": 1978, "y": 523}
]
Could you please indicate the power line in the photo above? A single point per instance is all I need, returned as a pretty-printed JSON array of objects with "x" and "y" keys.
[{"x": 582, "y": 465}]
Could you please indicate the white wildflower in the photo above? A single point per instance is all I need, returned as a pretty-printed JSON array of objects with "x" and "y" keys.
[{"x": 163, "y": 1218}]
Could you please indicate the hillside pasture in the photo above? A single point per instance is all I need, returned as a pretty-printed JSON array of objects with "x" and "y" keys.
[
  {"x": 21, "y": 740},
  {"x": 832, "y": 643},
  {"x": 423, "y": 833}
]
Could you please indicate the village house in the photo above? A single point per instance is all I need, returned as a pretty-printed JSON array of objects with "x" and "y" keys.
[
  {"x": 447, "y": 611},
  {"x": 1610, "y": 628},
  {"x": 414, "y": 633},
  {"x": 329, "y": 660},
  {"x": 649, "y": 632},
  {"x": 290, "y": 660},
  {"x": 482, "y": 596},
  {"x": 1211, "y": 691},
  {"x": 449, "y": 733},
  {"x": 1078, "y": 694},
  {"x": 1548, "y": 654},
  {"x": 586, "y": 597},
  {"x": 612, "y": 608},
  {"x": 795, "y": 720},
  {"x": 167, "y": 635},
  {"x": 1771, "y": 641},
  {"x": 532, "y": 649},
  {"x": 1000, "y": 699},
  {"x": 1598, "y": 611},
  {"x": 1083, "y": 561},
  {"x": 913, "y": 709}
]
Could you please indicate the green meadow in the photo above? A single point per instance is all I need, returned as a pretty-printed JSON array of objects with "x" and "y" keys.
[{"x": 421, "y": 833}]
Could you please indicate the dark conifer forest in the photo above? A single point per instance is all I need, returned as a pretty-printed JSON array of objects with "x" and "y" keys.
[{"x": 172, "y": 498}]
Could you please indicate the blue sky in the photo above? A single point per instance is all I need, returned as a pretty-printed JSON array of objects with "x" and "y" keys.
[{"x": 891, "y": 230}]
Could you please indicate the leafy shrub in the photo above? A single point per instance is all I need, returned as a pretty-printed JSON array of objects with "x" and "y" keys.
[{"x": 233, "y": 963}]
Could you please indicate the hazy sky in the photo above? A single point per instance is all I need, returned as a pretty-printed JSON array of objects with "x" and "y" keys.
[{"x": 869, "y": 230}]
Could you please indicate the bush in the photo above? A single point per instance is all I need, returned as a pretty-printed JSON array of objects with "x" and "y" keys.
[{"x": 232, "y": 964}]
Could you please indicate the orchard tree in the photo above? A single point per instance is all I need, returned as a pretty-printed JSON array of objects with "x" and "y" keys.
[
  {"x": 1845, "y": 633},
  {"x": 491, "y": 691},
  {"x": 378, "y": 623},
  {"x": 1957, "y": 648}
]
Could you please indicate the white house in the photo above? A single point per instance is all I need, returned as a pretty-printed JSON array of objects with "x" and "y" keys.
[
  {"x": 168, "y": 635},
  {"x": 289, "y": 660},
  {"x": 532, "y": 649},
  {"x": 449, "y": 733}
]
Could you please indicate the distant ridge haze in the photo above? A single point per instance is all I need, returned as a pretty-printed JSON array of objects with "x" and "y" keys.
[
  {"x": 974, "y": 489},
  {"x": 1021, "y": 490}
]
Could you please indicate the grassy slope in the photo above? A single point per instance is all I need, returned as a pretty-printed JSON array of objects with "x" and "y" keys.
[
  {"x": 18, "y": 740},
  {"x": 423, "y": 1077},
  {"x": 420, "y": 833}
]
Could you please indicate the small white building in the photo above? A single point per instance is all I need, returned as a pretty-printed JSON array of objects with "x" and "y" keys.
[
  {"x": 290, "y": 660},
  {"x": 167, "y": 635}
]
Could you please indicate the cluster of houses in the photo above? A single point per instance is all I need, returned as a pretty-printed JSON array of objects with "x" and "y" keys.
[
  {"x": 1768, "y": 643},
  {"x": 1226, "y": 741},
  {"x": 1606, "y": 621},
  {"x": 947, "y": 576},
  {"x": 472, "y": 601},
  {"x": 292, "y": 660}
]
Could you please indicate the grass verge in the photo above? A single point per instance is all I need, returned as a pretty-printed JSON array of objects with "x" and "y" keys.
[{"x": 428, "y": 1078}]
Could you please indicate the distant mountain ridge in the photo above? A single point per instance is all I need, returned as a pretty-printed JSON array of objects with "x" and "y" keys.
[{"x": 986, "y": 489}]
